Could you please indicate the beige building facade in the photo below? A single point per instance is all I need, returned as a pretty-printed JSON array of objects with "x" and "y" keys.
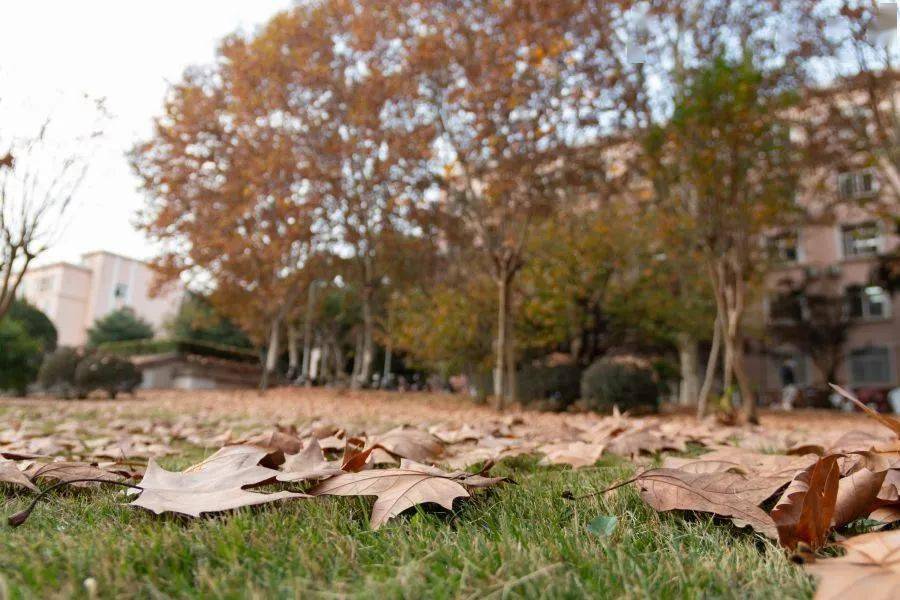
[
  {"x": 843, "y": 251},
  {"x": 75, "y": 295}
]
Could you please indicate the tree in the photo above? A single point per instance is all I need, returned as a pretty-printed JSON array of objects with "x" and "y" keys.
[
  {"x": 119, "y": 326},
  {"x": 503, "y": 81},
  {"x": 20, "y": 359},
  {"x": 816, "y": 322},
  {"x": 198, "y": 320},
  {"x": 37, "y": 188},
  {"x": 38, "y": 326}
]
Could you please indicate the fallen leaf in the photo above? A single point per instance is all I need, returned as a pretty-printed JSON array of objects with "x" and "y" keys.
[
  {"x": 889, "y": 422},
  {"x": 576, "y": 454},
  {"x": 805, "y": 510},
  {"x": 70, "y": 471},
  {"x": 11, "y": 474},
  {"x": 886, "y": 514},
  {"x": 309, "y": 464},
  {"x": 870, "y": 569},
  {"x": 856, "y": 495},
  {"x": 730, "y": 495},
  {"x": 603, "y": 526},
  {"x": 214, "y": 485},
  {"x": 400, "y": 489},
  {"x": 409, "y": 442}
]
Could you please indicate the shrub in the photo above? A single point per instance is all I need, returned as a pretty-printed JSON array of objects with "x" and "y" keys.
[
  {"x": 118, "y": 326},
  {"x": 106, "y": 372},
  {"x": 36, "y": 324},
  {"x": 607, "y": 383},
  {"x": 20, "y": 357},
  {"x": 551, "y": 388},
  {"x": 57, "y": 372}
]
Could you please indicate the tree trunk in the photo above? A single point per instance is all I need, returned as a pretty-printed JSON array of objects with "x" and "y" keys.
[
  {"x": 355, "y": 378},
  {"x": 368, "y": 344},
  {"x": 502, "y": 338},
  {"x": 307, "y": 334},
  {"x": 690, "y": 379},
  {"x": 271, "y": 354},
  {"x": 511, "y": 388},
  {"x": 386, "y": 372},
  {"x": 293, "y": 353},
  {"x": 712, "y": 364},
  {"x": 748, "y": 396}
]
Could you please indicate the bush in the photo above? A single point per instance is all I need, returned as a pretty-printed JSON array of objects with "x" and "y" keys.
[
  {"x": 630, "y": 387},
  {"x": 106, "y": 372},
  {"x": 552, "y": 388},
  {"x": 119, "y": 326},
  {"x": 20, "y": 357},
  {"x": 36, "y": 324},
  {"x": 57, "y": 372}
]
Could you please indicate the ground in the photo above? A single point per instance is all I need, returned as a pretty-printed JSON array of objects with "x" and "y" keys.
[{"x": 522, "y": 540}]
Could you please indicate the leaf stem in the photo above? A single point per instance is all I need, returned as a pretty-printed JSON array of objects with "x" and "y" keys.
[{"x": 21, "y": 516}]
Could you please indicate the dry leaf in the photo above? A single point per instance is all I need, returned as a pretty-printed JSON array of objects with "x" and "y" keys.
[
  {"x": 400, "y": 489},
  {"x": 729, "y": 495},
  {"x": 889, "y": 422},
  {"x": 576, "y": 454},
  {"x": 309, "y": 464},
  {"x": 70, "y": 471},
  {"x": 214, "y": 485},
  {"x": 409, "y": 442},
  {"x": 886, "y": 514},
  {"x": 11, "y": 474},
  {"x": 870, "y": 569},
  {"x": 805, "y": 510},
  {"x": 856, "y": 496}
]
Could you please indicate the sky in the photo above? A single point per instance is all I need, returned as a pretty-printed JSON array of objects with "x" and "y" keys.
[{"x": 54, "y": 52}]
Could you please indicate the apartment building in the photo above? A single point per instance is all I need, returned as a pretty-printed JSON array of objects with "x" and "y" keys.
[
  {"x": 75, "y": 295},
  {"x": 842, "y": 249}
]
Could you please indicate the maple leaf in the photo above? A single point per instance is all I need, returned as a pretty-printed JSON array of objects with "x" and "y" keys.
[
  {"x": 11, "y": 474},
  {"x": 310, "y": 463},
  {"x": 400, "y": 489},
  {"x": 64, "y": 471},
  {"x": 870, "y": 569},
  {"x": 730, "y": 495},
  {"x": 805, "y": 510},
  {"x": 408, "y": 442},
  {"x": 214, "y": 485}
]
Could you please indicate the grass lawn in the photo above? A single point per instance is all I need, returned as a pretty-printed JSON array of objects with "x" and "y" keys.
[{"x": 520, "y": 540}]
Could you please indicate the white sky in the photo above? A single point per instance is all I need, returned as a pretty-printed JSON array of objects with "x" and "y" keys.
[{"x": 52, "y": 52}]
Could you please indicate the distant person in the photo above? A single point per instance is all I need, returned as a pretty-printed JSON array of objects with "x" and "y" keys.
[{"x": 788, "y": 384}]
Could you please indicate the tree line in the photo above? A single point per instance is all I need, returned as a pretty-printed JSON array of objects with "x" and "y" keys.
[{"x": 481, "y": 184}]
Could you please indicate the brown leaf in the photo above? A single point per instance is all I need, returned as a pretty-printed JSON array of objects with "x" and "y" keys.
[
  {"x": 890, "y": 488},
  {"x": 730, "y": 495},
  {"x": 214, "y": 485},
  {"x": 400, "y": 489},
  {"x": 11, "y": 474},
  {"x": 409, "y": 442},
  {"x": 856, "y": 496},
  {"x": 70, "y": 471},
  {"x": 805, "y": 510},
  {"x": 309, "y": 464},
  {"x": 886, "y": 514},
  {"x": 870, "y": 569},
  {"x": 576, "y": 454}
]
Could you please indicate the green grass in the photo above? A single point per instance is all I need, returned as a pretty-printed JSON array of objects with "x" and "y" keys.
[{"x": 521, "y": 540}]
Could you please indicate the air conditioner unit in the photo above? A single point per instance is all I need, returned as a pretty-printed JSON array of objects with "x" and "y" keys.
[
  {"x": 812, "y": 272},
  {"x": 833, "y": 271}
]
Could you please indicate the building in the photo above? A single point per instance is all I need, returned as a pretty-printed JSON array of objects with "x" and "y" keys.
[
  {"x": 75, "y": 295},
  {"x": 842, "y": 248}
]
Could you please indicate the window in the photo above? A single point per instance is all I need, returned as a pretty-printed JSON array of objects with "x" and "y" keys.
[
  {"x": 857, "y": 184},
  {"x": 861, "y": 240},
  {"x": 45, "y": 284},
  {"x": 784, "y": 247},
  {"x": 871, "y": 302},
  {"x": 870, "y": 366},
  {"x": 121, "y": 291}
]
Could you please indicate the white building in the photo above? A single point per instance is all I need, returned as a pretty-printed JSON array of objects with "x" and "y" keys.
[{"x": 76, "y": 295}]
